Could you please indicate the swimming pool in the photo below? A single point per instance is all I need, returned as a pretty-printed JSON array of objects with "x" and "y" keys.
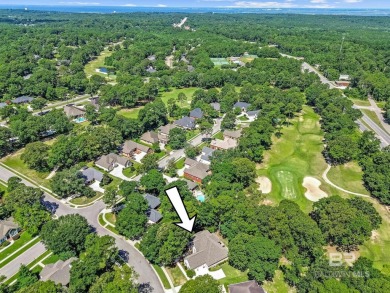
[
  {"x": 103, "y": 70},
  {"x": 80, "y": 120},
  {"x": 200, "y": 197}
]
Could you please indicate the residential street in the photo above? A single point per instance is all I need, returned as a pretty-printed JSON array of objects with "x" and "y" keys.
[
  {"x": 25, "y": 258},
  {"x": 147, "y": 277}
]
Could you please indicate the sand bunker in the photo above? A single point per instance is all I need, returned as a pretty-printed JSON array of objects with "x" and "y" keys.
[
  {"x": 265, "y": 184},
  {"x": 313, "y": 191}
]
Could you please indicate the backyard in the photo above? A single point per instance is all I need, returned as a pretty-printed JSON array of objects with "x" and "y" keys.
[{"x": 90, "y": 67}]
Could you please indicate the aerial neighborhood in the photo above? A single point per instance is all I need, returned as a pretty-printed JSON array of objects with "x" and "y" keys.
[{"x": 182, "y": 152}]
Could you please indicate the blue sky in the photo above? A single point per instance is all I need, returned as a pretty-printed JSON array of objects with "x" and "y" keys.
[{"x": 213, "y": 3}]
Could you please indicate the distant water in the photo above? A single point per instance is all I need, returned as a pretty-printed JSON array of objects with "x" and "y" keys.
[{"x": 122, "y": 9}]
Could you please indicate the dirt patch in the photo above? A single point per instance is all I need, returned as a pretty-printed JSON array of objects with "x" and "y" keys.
[
  {"x": 374, "y": 236},
  {"x": 267, "y": 202},
  {"x": 313, "y": 191},
  {"x": 265, "y": 185}
]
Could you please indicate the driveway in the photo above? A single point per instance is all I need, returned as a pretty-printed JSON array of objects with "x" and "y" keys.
[
  {"x": 96, "y": 187},
  {"x": 118, "y": 172}
]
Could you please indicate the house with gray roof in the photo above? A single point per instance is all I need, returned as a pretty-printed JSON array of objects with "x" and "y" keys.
[
  {"x": 197, "y": 113},
  {"x": 246, "y": 287},
  {"x": 22, "y": 100},
  {"x": 150, "y": 137},
  {"x": 242, "y": 106},
  {"x": 154, "y": 216},
  {"x": 206, "y": 155},
  {"x": 216, "y": 106},
  {"x": 185, "y": 122},
  {"x": 207, "y": 251},
  {"x": 153, "y": 201},
  {"x": 192, "y": 186},
  {"x": 8, "y": 229},
  {"x": 252, "y": 115},
  {"x": 131, "y": 147},
  {"x": 58, "y": 272},
  {"x": 110, "y": 161},
  {"x": 91, "y": 175}
]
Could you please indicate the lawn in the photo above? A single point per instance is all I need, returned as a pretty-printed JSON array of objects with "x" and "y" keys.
[
  {"x": 129, "y": 172},
  {"x": 180, "y": 163},
  {"x": 277, "y": 285},
  {"x": 110, "y": 217},
  {"x": 218, "y": 135},
  {"x": 190, "y": 134},
  {"x": 162, "y": 276},
  {"x": 361, "y": 102},
  {"x": 176, "y": 276},
  {"x": 378, "y": 246},
  {"x": 293, "y": 156},
  {"x": 233, "y": 275},
  {"x": 90, "y": 67},
  {"x": 51, "y": 259},
  {"x": 349, "y": 177},
  {"x": 83, "y": 200},
  {"x": 165, "y": 96},
  {"x": 24, "y": 238},
  {"x": 25, "y": 248},
  {"x": 15, "y": 162}
]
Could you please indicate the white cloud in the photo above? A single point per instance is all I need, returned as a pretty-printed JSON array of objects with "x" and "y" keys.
[
  {"x": 353, "y": 1},
  {"x": 269, "y": 4},
  {"x": 320, "y": 6},
  {"x": 79, "y": 3},
  {"x": 318, "y": 1},
  {"x": 161, "y": 5},
  {"x": 129, "y": 5}
]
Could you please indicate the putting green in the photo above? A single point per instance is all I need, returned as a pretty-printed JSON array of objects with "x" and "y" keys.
[{"x": 287, "y": 181}]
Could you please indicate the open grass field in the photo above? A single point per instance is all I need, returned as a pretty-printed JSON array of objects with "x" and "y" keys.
[
  {"x": 176, "y": 276},
  {"x": 348, "y": 176},
  {"x": 277, "y": 285},
  {"x": 90, "y": 67},
  {"x": 165, "y": 96},
  {"x": 233, "y": 275},
  {"x": 293, "y": 156}
]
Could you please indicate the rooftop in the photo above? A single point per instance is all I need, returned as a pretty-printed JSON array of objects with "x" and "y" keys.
[
  {"x": 196, "y": 113},
  {"x": 73, "y": 111},
  {"x": 186, "y": 122},
  {"x": 22, "y": 99},
  {"x": 6, "y": 225},
  {"x": 59, "y": 272},
  {"x": 91, "y": 174},
  {"x": 166, "y": 128},
  {"x": 130, "y": 145},
  {"x": 198, "y": 170},
  {"x": 246, "y": 287},
  {"x": 241, "y": 105},
  {"x": 152, "y": 200},
  {"x": 233, "y": 133},
  {"x": 227, "y": 143},
  {"x": 106, "y": 161},
  {"x": 150, "y": 136},
  {"x": 154, "y": 216},
  {"x": 216, "y": 106}
]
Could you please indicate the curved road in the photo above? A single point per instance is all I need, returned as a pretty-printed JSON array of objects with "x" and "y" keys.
[{"x": 147, "y": 277}]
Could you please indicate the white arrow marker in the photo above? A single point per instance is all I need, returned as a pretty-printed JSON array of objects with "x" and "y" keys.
[{"x": 175, "y": 198}]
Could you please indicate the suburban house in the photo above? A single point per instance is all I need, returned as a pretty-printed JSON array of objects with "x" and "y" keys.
[
  {"x": 163, "y": 132},
  {"x": 131, "y": 147},
  {"x": 344, "y": 77},
  {"x": 110, "y": 161},
  {"x": 197, "y": 172},
  {"x": 233, "y": 134},
  {"x": 225, "y": 144},
  {"x": 206, "y": 155},
  {"x": 185, "y": 122},
  {"x": 242, "y": 106},
  {"x": 207, "y": 251},
  {"x": 91, "y": 175},
  {"x": 216, "y": 106},
  {"x": 22, "y": 100},
  {"x": 58, "y": 272},
  {"x": 197, "y": 113},
  {"x": 192, "y": 186},
  {"x": 246, "y": 287},
  {"x": 343, "y": 84},
  {"x": 150, "y": 137},
  {"x": 188, "y": 163},
  {"x": 252, "y": 115},
  {"x": 71, "y": 111},
  {"x": 154, "y": 216},
  {"x": 8, "y": 229}
]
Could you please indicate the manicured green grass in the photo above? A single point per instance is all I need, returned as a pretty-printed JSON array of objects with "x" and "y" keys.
[
  {"x": 218, "y": 135},
  {"x": 378, "y": 246},
  {"x": 176, "y": 276},
  {"x": 162, "y": 276},
  {"x": 243, "y": 118},
  {"x": 349, "y": 177},
  {"x": 363, "y": 103},
  {"x": 277, "y": 285},
  {"x": 51, "y": 259},
  {"x": 180, "y": 163},
  {"x": 129, "y": 172},
  {"x": 90, "y": 67},
  {"x": 24, "y": 238},
  {"x": 130, "y": 113},
  {"x": 190, "y": 134},
  {"x": 24, "y": 249},
  {"x": 293, "y": 156},
  {"x": 15, "y": 162},
  {"x": 233, "y": 275},
  {"x": 83, "y": 200},
  {"x": 101, "y": 221},
  {"x": 110, "y": 217}
]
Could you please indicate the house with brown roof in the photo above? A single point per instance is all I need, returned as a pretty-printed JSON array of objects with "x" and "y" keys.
[
  {"x": 110, "y": 161},
  {"x": 233, "y": 134},
  {"x": 163, "y": 133},
  {"x": 246, "y": 287},
  {"x": 188, "y": 163},
  {"x": 58, "y": 272},
  {"x": 197, "y": 172},
  {"x": 150, "y": 137},
  {"x": 130, "y": 148},
  {"x": 71, "y": 111},
  {"x": 207, "y": 251},
  {"x": 225, "y": 144},
  {"x": 8, "y": 229}
]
